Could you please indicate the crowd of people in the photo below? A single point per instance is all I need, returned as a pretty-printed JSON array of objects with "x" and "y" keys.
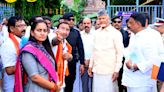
[{"x": 35, "y": 56}]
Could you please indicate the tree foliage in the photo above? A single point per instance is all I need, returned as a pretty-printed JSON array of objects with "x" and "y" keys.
[
  {"x": 40, "y": 7},
  {"x": 77, "y": 8},
  {"x": 131, "y": 2}
]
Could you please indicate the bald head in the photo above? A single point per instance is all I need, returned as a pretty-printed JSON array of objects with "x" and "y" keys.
[
  {"x": 87, "y": 19},
  {"x": 87, "y": 24}
]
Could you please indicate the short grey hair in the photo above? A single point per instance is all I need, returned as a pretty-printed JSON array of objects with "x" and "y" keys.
[{"x": 102, "y": 12}]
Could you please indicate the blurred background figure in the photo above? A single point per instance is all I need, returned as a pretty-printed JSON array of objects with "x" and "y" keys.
[
  {"x": 97, "y": 24},
  {"x": 49, "y": 23},
  {"x": 3, "y": 37},
  {"x": 117, "y": 23},
  {"x": 3, "y": 30},
  {"x": 159, "y": 26},
  {"x": 61, "y": 20},
  {"x": 80, "y": 25}
]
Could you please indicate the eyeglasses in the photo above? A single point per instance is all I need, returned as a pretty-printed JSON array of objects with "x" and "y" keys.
[
  {"x": 71, "y": 19},
  {"x": 158, "y": 26},
  {"x": 117, "y": 21},
  {"x": 22, "y": 25}
]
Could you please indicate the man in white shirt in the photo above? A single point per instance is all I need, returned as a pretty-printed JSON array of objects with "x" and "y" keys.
[
  {"x": 106, "y": 59},
  {"x": 87, "y": 38},
  {"x": 16, "y": 28},
  {"x": 143, "y": 51}
]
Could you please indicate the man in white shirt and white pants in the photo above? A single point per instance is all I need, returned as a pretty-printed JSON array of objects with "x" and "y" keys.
[
  {"x": 106, "y": 59},
  {"x": 142, "y": 52}
]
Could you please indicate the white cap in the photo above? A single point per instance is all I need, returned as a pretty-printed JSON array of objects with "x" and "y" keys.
[{"x": 159, "y": 22}]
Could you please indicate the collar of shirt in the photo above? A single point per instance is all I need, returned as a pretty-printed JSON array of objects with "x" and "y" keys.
[
  {"x": 85, "y": 33},
  {"x": 140, "y": 32},
  {"x": 106, "y": 28},
  {"x": 18, "y": 39}
]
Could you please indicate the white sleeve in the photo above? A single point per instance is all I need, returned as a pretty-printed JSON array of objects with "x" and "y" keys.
[
  {"x": 8, "y": 55},
  {"x": 150, "y": 54},
  {"x": 51, "y": 36},
  {"x": 118, "y": 42},
  {"x": 27, "y": 33}
]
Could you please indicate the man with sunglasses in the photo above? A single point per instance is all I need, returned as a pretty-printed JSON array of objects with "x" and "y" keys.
[{"x": 117, "y": 23}]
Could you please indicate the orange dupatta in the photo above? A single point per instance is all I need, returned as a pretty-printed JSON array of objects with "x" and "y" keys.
[
  {"x": 60, "y": 61},
  {"x": 16, "y": 43}
]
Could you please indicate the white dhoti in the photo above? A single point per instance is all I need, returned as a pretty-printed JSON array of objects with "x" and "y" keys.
[
  {"x": 140, "y": 89},
  {"x": 104, "y": 83}
]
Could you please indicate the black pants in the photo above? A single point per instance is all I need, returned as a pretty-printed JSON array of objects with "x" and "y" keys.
[
  {"x": 69, "y": 80},
  {"x": 121, "y": 87}
]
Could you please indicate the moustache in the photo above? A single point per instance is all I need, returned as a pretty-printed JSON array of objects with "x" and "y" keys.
[
  {"x": 86, "y": 27},
  {"x": 23, "y": 30}
]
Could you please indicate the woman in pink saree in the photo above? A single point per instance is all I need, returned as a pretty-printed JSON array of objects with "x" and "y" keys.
[{"x": 35, "y": 68}]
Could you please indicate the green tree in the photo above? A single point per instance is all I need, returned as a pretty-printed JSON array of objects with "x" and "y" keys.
[
  {"x": 40, "y": 7},
  {"x": 77, "y": 7},
  {"x": 131, "y": 2}
]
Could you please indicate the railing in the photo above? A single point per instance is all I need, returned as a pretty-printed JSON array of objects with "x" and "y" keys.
[
  {"x": 153, "y": 10},
  {"x": 6, "y": 11}
]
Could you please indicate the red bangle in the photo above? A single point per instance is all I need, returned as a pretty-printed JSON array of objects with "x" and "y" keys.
[{"x": 54, "y": 87}]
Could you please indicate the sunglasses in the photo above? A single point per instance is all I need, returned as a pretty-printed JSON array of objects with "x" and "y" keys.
[
  {"x": 71, "y": 19},
  {"x": 157, "y": 26},
  {"x": 117, "y": 21}
]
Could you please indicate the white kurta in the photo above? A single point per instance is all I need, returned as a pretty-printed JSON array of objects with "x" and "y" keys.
[
  {"x": 106, "y": 58},
  {"x": 146, "y": 52},
  {"x": 107, "y": 51},
  {"x": 9, "y": 56}
]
